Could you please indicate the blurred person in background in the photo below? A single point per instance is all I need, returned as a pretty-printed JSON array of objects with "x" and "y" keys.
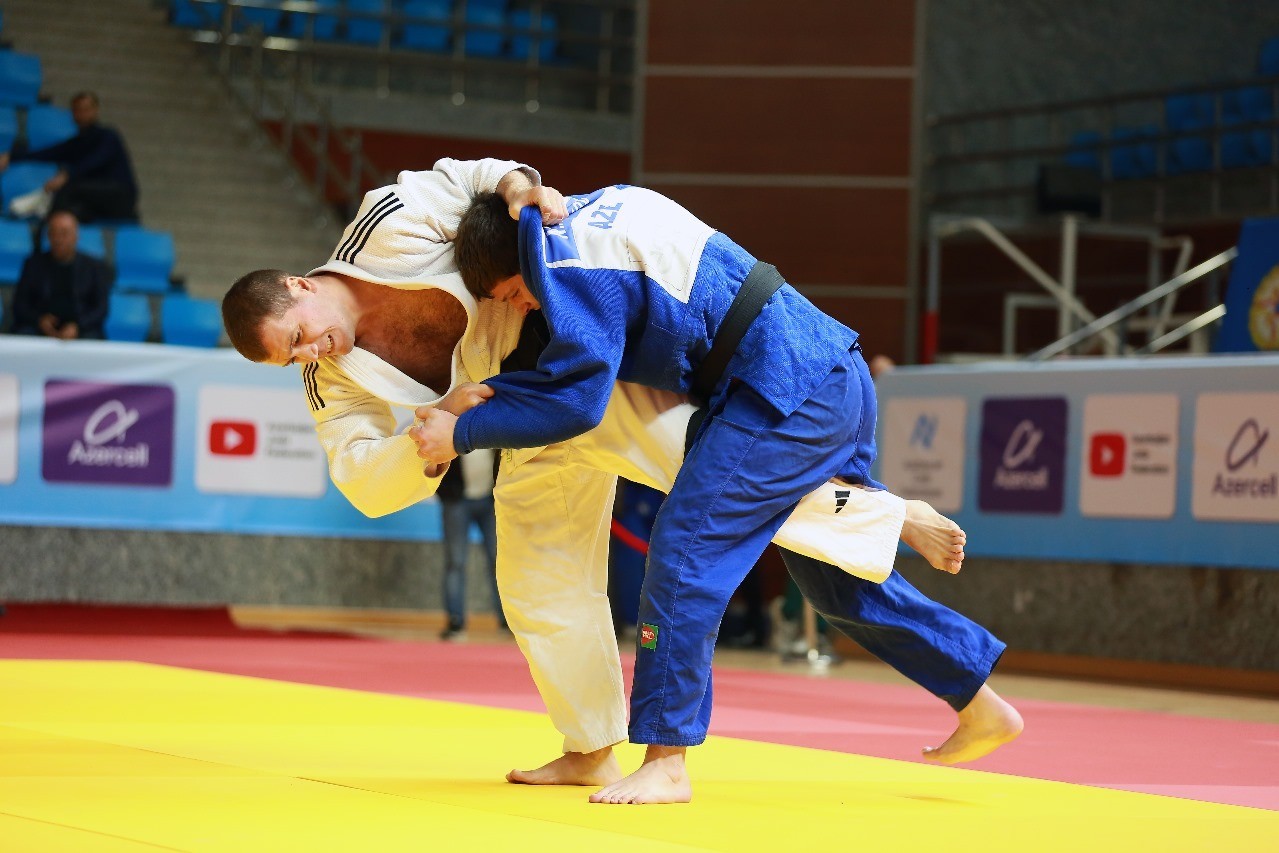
[
  {"x": 62, "y": 293},
  {"x": 466, "y": 498},
  {"x": 95, "y": 176}
]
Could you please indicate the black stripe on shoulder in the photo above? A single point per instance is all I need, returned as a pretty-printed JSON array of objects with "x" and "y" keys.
[
  {"x": 364, "y": 226},
  {"x": 306, "y": 386},
  {"x": 312, "y": 369},
  {"x": 369, "y": 232},
  {"x": 307, "y": 371}
]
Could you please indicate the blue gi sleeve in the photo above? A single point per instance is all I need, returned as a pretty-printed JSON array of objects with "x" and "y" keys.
[{"x": 587, "y": 313}]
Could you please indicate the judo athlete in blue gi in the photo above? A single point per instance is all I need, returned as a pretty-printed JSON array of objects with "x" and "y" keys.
[{"x": 634, "y": 287}]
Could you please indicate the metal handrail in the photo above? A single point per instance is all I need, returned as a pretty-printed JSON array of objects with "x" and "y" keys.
[
  {"x": 983, "y": 227},
  {"x": 1102, "y": 324},
  {"x": 361, "y": 171},
  {"x": 1185, "y": 330}
]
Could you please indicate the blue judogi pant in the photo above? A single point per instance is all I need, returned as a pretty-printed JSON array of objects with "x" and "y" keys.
[
  {"x": 945, "y": 652},
  {"x": 748, "y": 467}
]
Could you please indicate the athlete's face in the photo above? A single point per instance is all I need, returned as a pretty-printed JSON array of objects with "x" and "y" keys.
[
  {"x": 516, "y": 292},
  {"x": 314, "y": 327}
]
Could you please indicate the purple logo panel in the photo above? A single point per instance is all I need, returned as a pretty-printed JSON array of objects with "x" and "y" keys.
[
  {"x": 1023, "y": 455},
  {"x": 103, "y": 433}
]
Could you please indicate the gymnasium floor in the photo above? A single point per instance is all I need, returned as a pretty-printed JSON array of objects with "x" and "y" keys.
[{"x": 127, "y": 729}]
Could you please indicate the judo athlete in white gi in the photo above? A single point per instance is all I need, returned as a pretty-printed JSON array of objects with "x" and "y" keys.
[
  {"x": 634, "y": 287},
  {"x": 387, "y": 320}
]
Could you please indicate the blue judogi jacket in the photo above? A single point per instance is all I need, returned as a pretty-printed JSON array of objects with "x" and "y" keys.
[{"x": 634, "y": 287}]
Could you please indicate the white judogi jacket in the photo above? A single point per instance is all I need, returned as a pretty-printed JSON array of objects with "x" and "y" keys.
[{"x": 554, "y": 504}]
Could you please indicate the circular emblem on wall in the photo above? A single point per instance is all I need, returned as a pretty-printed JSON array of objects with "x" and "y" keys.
[{"x": 1263, "y": 316}]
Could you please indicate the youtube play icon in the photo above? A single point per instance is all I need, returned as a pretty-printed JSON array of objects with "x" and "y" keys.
[
  {"x": 233, "y": 438},
  {"x": 1106, "y": 454}
]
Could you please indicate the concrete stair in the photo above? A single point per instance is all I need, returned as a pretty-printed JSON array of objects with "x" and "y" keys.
[{"x": 206, "y": 172}]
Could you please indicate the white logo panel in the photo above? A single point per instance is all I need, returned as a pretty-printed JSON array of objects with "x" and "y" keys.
[
  {"x": 922, "y": 456},
  {"x": 258, "y": 441},
  {"x": 1237, "y": 457},
  {"x": 1129, "y": 458},
  {"x": 8, "y": 427}
]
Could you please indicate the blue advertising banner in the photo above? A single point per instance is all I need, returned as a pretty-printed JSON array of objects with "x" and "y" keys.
[
  {"x": 1252, "y": 298},
  {"x": 144, "y": 436},
  {"x": 1162, "y": 460}
]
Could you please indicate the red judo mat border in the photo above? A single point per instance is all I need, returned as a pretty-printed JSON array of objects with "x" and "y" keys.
[{"x": 1200, "y": 758}]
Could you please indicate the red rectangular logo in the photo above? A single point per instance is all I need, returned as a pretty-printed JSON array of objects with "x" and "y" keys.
[
  {"x": 1106, "y": 454},
  {"x": 233, "y": 438}
]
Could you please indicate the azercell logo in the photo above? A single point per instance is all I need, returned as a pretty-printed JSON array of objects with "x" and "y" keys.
[
  {"x": 1020, "y": 450},
  {"x": 110, "y": 422},
  {"x": 1023, "y": 452},
  {"x": 1244, "y": 448},
  {"x": 1247, "y": 443},
  {"x": 101, "y": 433}
]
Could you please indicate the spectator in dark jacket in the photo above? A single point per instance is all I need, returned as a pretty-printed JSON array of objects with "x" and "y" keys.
[
  {"x": 62, "y": 293},
  {"x": 95, "y": 178}
]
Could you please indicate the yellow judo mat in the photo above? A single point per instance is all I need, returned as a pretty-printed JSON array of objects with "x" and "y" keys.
[{"x": 130, "y": 756}]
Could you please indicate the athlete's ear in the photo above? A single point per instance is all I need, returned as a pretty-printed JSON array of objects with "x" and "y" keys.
[{"x": 297, "y": 282}]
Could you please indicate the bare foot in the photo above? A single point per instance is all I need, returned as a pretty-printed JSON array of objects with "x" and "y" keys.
[
  {"x": 938, "y": 539},
  {"x": 573, "y": 768},
  {"x": 662, "y": 778},
  {"x": 985, "y": 725}
]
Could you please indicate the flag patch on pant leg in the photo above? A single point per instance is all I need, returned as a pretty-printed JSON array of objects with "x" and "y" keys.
[{"x": 648, "y": 636}]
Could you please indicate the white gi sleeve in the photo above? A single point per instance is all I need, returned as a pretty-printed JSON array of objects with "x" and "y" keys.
[
  {"x": 443, "y": 193},
  {"x": 377, "y": 470}
]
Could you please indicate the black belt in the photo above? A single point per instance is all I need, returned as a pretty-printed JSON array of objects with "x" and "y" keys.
[{"x": 759, "y": 286}]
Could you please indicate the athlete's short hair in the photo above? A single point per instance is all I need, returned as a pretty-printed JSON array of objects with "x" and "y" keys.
[
  {"x": 487, "y": 246},
  {"x": 249, "y": 302}
]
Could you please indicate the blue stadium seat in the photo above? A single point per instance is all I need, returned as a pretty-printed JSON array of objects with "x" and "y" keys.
[
  {"x": 128, "y": 317},
  {"x": 1189, "y": 154},
  {"x": 521, "y": 45},
  {"x": 92, "y": 241},
  {"x": 8, "y": 127},
  {"x": 143, "y": 260},
  {"x": 1135, "y": 159},
  {"x": 1184, "y": 114},
  {"x": 1247, "y": 105},
  {"x": 1268, "y": 58},
  {"x": 48, "y": 125},
  {"x": 365, "y": 30},
  {"x": 1189, "y": 112},
  {"x": 190, "y": 322},
  {"x": 1085, "y": 151},
  {"x": 268, "y": 19},
  {"x": 15, "y": 247},
  {"x": 484, "y": 42},
  {"x": 424, "y": 36},
  {"x": 20, "y": 78},
  {"x": 1242, "y": 149},
  {"x": 187, "y": 13},
  {"x": 323, "y": 27},
  {"x": 22, "y": 178}
]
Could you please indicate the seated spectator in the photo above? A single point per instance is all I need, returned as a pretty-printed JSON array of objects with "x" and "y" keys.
[
  {"x": 62, "y": 293},
  {"x": 95, "y": 179}
]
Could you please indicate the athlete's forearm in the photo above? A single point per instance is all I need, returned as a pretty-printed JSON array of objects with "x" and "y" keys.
[{"x": 517, "y": 181}]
